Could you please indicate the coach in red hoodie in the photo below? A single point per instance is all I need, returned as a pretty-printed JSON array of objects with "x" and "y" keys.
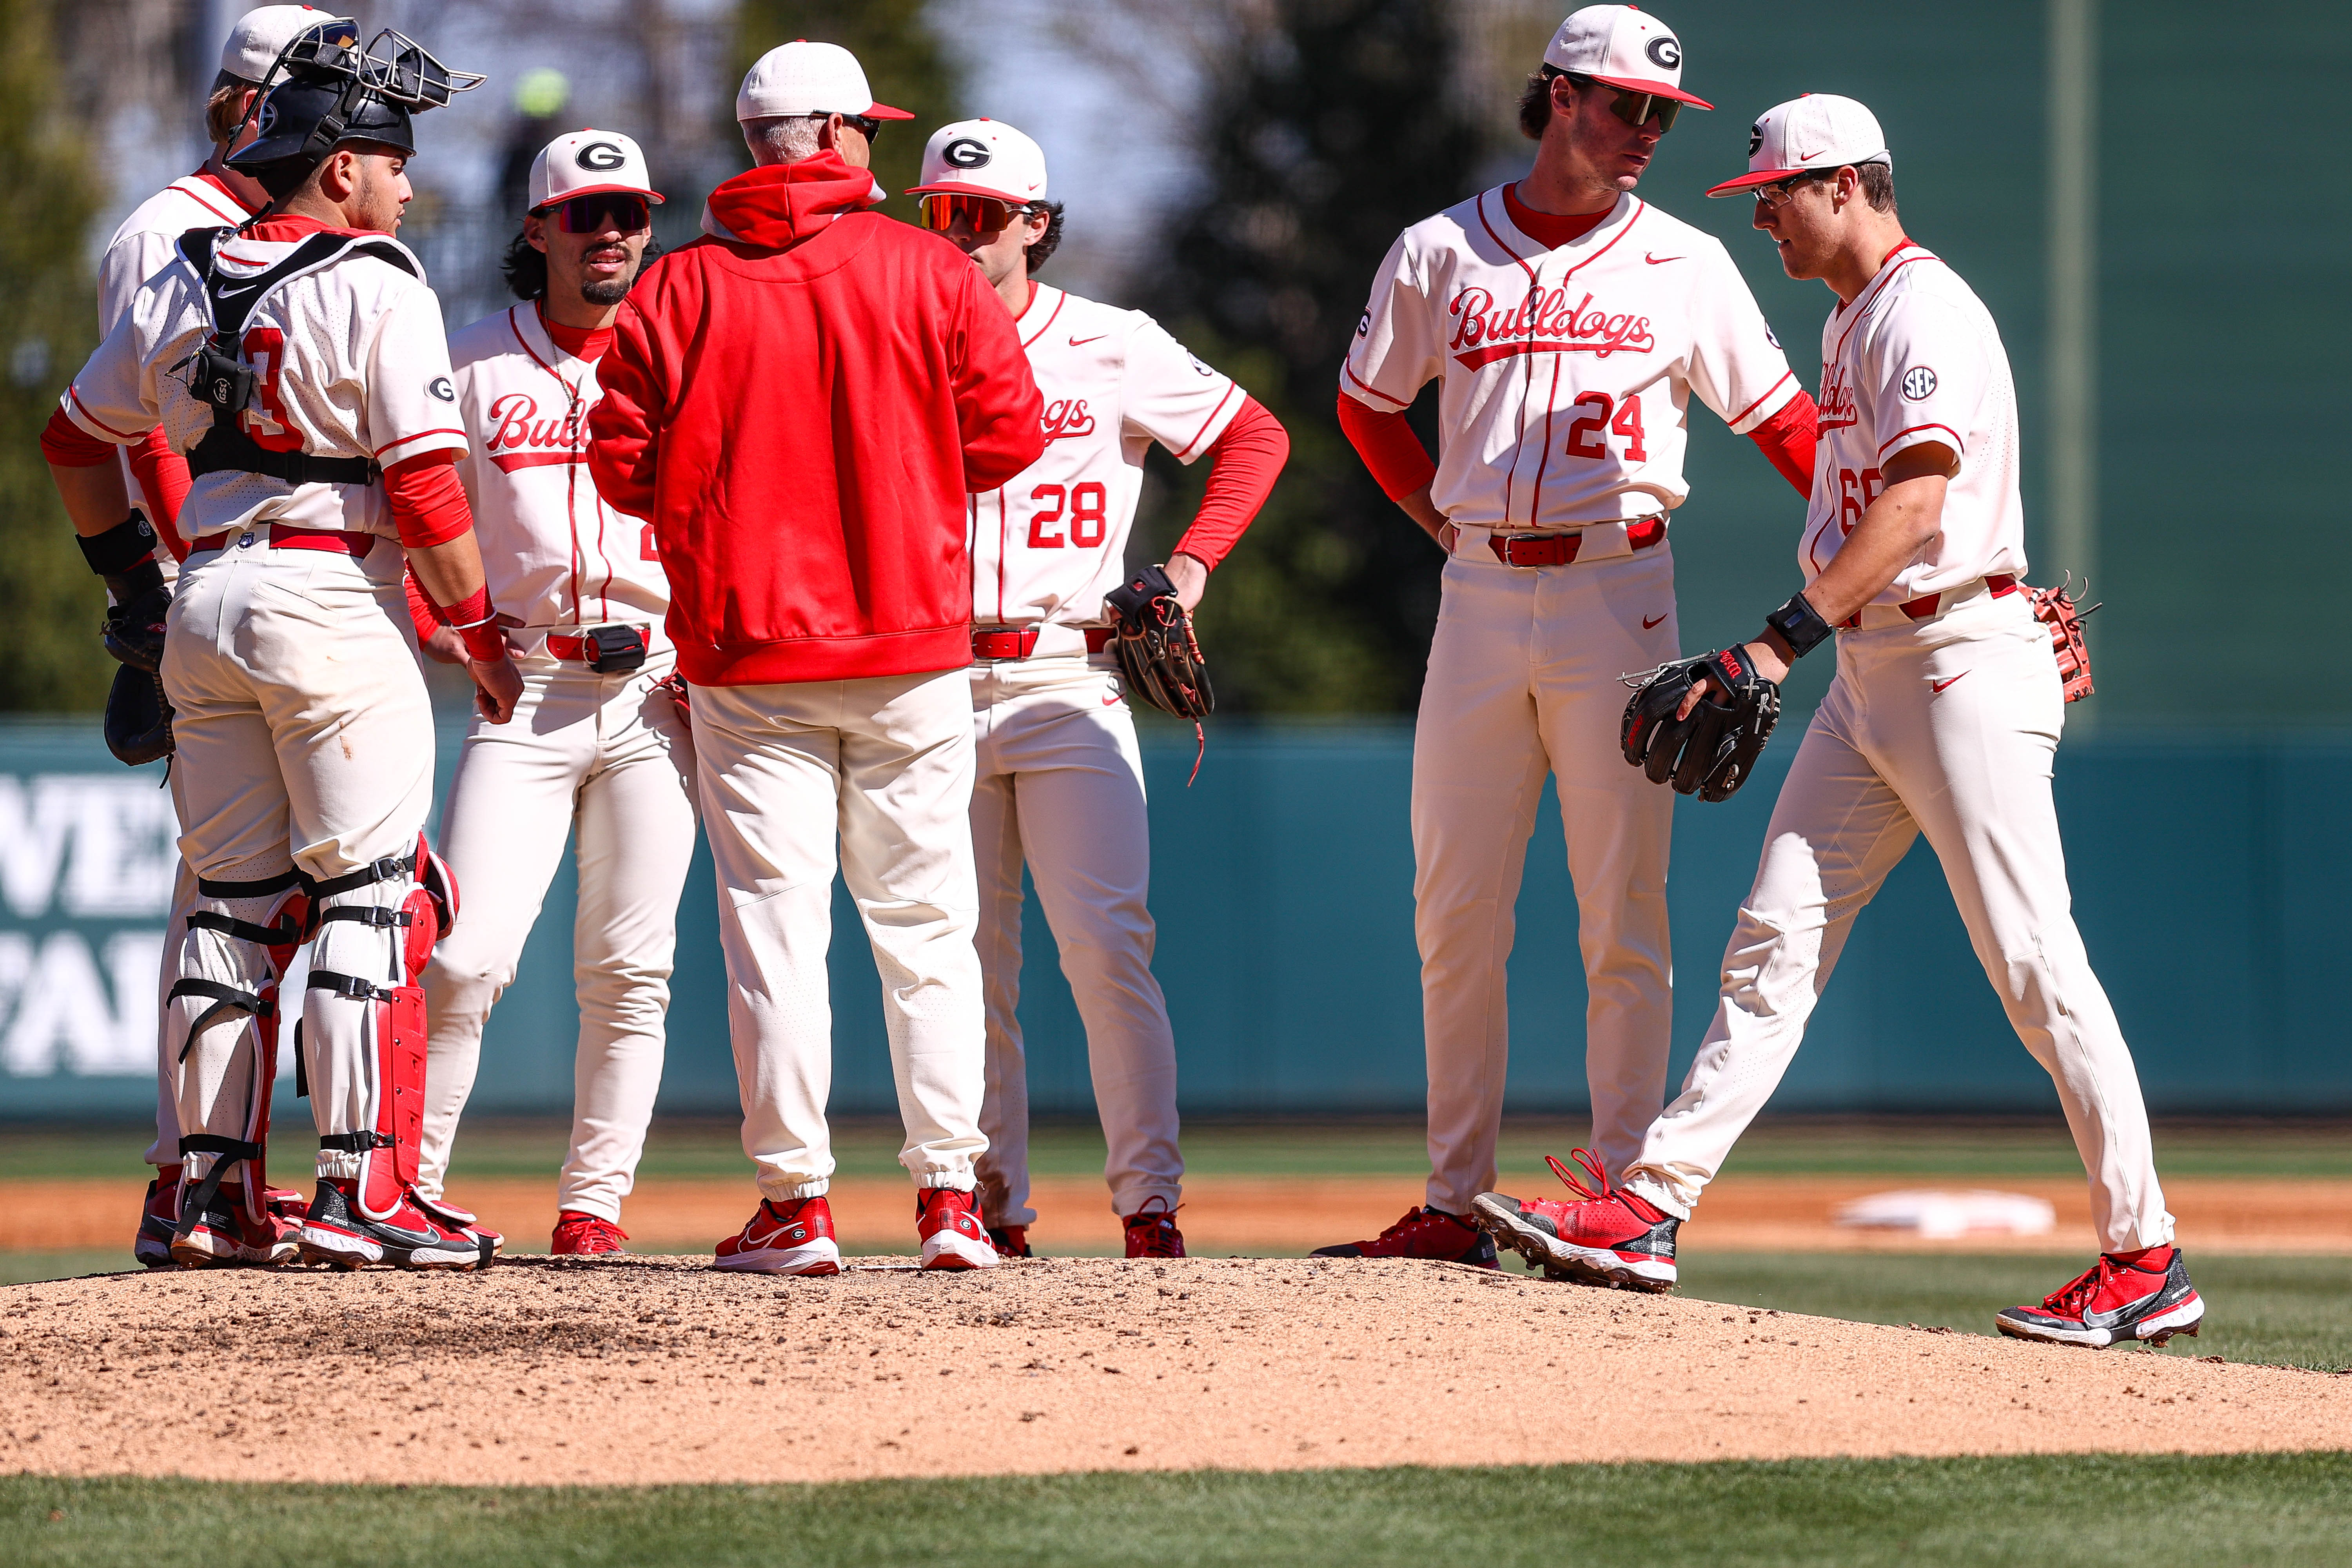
[{"x": 800, "y": 401}]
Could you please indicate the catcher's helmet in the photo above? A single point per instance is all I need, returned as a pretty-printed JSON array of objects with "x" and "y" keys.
[{"x": 323, "y": 91}]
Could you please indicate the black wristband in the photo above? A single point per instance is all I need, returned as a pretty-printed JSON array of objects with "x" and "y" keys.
[
  {"x": 119, "y": 548},
  {"x": 1801, "y": 625}
]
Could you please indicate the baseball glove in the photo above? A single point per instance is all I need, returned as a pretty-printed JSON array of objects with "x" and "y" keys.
[
  {"x": 1710, "y": 753},
  {"x": 1157, "y": 650},
  {"x": 138, "y": 718},
  {"x": 2060, "y": 610}
]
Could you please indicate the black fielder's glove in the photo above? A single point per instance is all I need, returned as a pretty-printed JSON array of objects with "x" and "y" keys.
[
  {"x": 1711, "y": 752},
  {"x": 138, "y": 718},
  {"x": 1157, "y": 650}
]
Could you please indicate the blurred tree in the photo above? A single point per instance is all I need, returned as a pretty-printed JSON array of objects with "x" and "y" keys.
[
  {"x": 904, "y": 66},
  {"x": 1329, "y": 127},
  {"x": 54, "y": 660}
]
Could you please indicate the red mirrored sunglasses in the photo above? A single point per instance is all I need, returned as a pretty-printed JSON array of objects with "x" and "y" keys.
[
  {"x": 604, "y": 209},
  {"x": 985, "y": 213}
]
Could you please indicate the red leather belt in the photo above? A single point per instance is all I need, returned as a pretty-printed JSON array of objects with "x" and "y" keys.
[
  {"x": 1560, "y": 549},
  {"x": 1997, "y": 585},
  {"x": 285, "y": 536},
  {"x": 1003, "y": 644}
]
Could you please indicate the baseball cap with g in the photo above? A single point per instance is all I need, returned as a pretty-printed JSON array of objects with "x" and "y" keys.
[
  {"x": 261, "y": 34},
  {"x": 1819, "y": 130},
  {"x": 587, "y": 163},
  {"x": 801, "y": 77},
  {"x": 982, "y": 158},
  {"x": 1621, "y": 47}
]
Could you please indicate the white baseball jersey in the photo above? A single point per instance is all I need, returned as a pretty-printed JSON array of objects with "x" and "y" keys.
[
  {"x": 1915, "y": 359},
  {"x": 351, "y": 361},
  {"x": 555, "y": 554},
  {"x": 1565, "y": 375},
  {"x": 1047, "y": 546}
]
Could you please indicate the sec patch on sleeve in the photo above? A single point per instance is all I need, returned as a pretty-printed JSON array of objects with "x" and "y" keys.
[{"x": 1919, "y": 381}]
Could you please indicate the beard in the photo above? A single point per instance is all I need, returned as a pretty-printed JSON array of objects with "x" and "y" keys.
[{"x": 607, "y": 293}]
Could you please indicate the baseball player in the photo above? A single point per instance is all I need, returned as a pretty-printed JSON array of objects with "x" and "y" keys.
[
  {"x": 599, "y": 746},
  {"x": 800, "y": 402},
  {"x": 297, "y": 362},
  {"x": 1568, "y": 325},
  {"x": 1943, "y": 719},
  {"x": 138, "y": 248},
  {"x": 1060, "y": 781}
]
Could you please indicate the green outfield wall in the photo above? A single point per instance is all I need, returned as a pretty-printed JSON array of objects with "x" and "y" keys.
[{"x": 2208, "y": 876}]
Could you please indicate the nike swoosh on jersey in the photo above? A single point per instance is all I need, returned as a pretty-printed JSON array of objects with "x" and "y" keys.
[
  {"x": 238, "y": 288},
  {"x": 1939, "y": 685},
  {"x": 1080, "y": 342},
  {"x": 1662, "y": 261},
  {"x": 1647, "y": 622}
]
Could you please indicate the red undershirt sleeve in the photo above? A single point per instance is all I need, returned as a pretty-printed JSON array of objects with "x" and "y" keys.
[
  {"x": 428, "y": 500},
  {"x": 1388, "y": 447},
  {"x": 1243, "y": 464},
  {"x": 163, "y": 476},
  {"x": 65, "y": 444},
  {"x": 423, "y": 613},
  {"x": 1788, "y": 439}
]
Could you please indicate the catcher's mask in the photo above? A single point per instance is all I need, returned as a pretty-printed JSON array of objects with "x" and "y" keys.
[{"x": 323, "y": 89}]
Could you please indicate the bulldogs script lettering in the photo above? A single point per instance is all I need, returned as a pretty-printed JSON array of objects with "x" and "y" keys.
[
  {"x": 1543, "y": 322},
  {"x": 520, "y": 439}
]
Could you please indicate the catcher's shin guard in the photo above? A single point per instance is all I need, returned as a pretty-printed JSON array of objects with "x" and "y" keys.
[{"x": 240, "y": 937}]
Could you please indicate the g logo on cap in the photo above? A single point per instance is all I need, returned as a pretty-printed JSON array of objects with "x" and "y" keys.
[
  {"x": 600, "y": 156},
  {"x": 1754, "y": 137},
  {"x": 963, "y": 152},
  {"x": 1664, "y": 53}
]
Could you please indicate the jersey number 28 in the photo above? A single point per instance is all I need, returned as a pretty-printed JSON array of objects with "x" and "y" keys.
[{"x": 1088, "y": 508}]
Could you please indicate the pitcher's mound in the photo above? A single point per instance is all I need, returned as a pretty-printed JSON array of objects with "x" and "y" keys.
[{"x": 657, "y": 1369}]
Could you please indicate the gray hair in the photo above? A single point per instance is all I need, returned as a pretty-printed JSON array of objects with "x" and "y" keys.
[{"x": 784, "y": 139}]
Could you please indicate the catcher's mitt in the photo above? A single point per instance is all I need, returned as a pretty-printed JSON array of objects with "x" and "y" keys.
[
  {"x": 1711, "y": 752},
  {"x": 138, "y": 717},
  {"x": 2058, "y": 609},
  {"x": 1157, "y": 650}
]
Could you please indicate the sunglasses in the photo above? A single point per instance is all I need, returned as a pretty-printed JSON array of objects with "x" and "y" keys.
[
  {"x": 1635, "y": 109},
  {"x": 1779, "y": 192},
  {"x": 985, "y": 213},
  {"x": 603, "y": 210},
  {"x": 868, "y": 127}
]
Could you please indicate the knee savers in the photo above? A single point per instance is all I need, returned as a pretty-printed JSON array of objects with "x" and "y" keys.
[
  {"x": 241, "y": 938},
  {"x": 363, "y": 1018}
]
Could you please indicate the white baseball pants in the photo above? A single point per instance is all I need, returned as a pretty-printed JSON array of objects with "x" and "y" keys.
[
  {"x": 304, "y": 739},
  {"x": 1061, "y": 786},
  {"x": 885, "y": 765},
  {"x": 1524, "y": 680},
  {"x": 1947, "y": 728},
  {"x": 608, "y": 757}
]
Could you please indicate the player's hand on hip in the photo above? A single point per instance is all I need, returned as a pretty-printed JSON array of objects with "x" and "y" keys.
[
  {"x": 1190, "y": 578},
  {"x": 1422, "y": 511},
  {"x": 498, "y": 687}
]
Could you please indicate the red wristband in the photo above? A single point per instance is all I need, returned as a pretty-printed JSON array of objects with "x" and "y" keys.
[
  {"x": 475, "y": 624},
  {"x": 485, "y": 643}
]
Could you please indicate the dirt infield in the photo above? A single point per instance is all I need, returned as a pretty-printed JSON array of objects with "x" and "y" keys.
[
  {"x": 649, "y": 1370},
  {"x": 1251, "y": 1214}
]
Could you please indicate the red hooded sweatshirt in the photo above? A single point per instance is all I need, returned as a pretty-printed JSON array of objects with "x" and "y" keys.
[{"x": 800, "y": 408}]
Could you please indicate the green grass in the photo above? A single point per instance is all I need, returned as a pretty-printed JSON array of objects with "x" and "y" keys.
[
  {"x": 1976, "y": 1149},
  {"x": 2045, "y": 1513}
]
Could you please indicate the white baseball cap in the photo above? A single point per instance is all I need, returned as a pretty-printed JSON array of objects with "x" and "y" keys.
[
  {"x": 584, "y": 162},
  {"x": 262, "y": 33},
  {"x": 982, "y": 158},
  {"x": 802, "y": 78},
  {"x": 1819, "y": 130},
  {"x": 1619, "y": 45}
]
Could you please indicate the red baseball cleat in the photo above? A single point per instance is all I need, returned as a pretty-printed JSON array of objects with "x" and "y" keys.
[
  {"x": 579, "y": 1234},
  {"x": 790, "y": 1238},
  {"x": 223, "y": 1235},
  {"x": 159, "y": 1220},
  {"x": 335, "y": 1232},
  {"x": 2144, "y": 1295},
  {"x": 1606, "y": 1237},
  {"x": 1152, "y": 1233},
  {"x": 1423, "y": 1233},
  {"x": 286, "y": 1204},
  {"x": 947, "y": 1219},
  {"x": 1010, "y": 1241}
]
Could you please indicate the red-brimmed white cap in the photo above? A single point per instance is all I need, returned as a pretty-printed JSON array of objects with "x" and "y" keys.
[
  {"x": 1621, "y": 47},
  {"x": 584, "y": 162},
  {"x": 802, "y": 78},
  {"x": 982, "y": 158},
  {"x": 262, "y": 34},
  {"x": 1819, "y": 130}
]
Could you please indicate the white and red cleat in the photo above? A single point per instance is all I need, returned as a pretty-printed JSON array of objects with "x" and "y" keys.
[
  {"x": 334, "y": 1232},
  {"x": 579, "y": 1234},
  {"x": 1607, "y": 1236},
  {"x": 1011, "y": 1240},
  {"x": 790, "y": 1238},
  {"x": 1151, "y": 1232},
  {"x": 222, "y": 1236},
  {"x": 947, "y": 1221},
  {"x": 453, "y": 1217},
  {"x": 1424, "y": 1233},
  {"x": 2142, "y": 1295}
]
